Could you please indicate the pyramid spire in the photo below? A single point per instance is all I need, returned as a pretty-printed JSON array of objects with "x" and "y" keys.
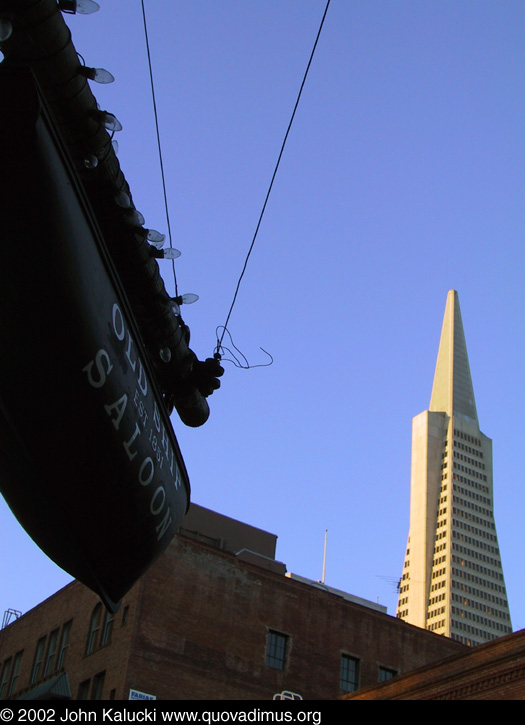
[
  {"x": 452, "y": 392},
  {"x": 452, "y": 581}
]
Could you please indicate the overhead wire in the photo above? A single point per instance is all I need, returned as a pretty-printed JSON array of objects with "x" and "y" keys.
[
  {"x": 240, "y": 360},
  {"x": 152, "y": 84},
  {"x": 270, "y": 187},
  {"x": 225, "y": 326}
]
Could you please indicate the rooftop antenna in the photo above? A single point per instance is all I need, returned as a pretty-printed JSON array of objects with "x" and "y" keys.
[
  {"x": 324, "y": 556},
  {"x": 394, "y": 582},
  {"x": 9, "y": 616}
]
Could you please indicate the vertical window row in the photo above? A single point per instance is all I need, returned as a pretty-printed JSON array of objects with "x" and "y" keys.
[{"x": 50, "y": 653}]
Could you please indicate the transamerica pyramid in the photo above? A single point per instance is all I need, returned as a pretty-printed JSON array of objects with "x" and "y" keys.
[{"x": 452, "y": 580}]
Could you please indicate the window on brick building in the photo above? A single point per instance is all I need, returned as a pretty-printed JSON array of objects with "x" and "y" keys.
[
  {"x": 51, "y": 652},
  {"x": 94, "y": 627},
  {"x": 349, "y": 675},
  {"x": 98, "y": 685},
  {"x": 83, "y": 690},
  {"x": 64, "y": 644},
  {"x": 15, "y": 672},
  {"x": 107, "y": 629},
  {"x": 385, "y": 673},
  {"x": 39, "y": 656},
  {"x": 5, "y": 677},
  {"x": 276, "y": 650}
]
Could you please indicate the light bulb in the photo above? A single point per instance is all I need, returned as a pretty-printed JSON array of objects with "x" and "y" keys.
[
  {"x": 156, "y": 239},
  {"x": 84, "y": 7},
  {"x": 6, "y": 28},
  {"x": 110, "y": 121},
  {"x": 165, "y": 354},
  {"x": 175, "y": 308},
  {"x": 170, "y": 253},
  {"x": 114, "y": 143},
  {"x": 99, "y": 75},
  {"x": 123, "y": 200},
  {"x": 91, "y": 162},
  {"x": 187, "y": 299},
  {"x": 136, "y": 218}
]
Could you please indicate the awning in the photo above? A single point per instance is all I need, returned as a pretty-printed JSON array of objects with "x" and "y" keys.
[{"x": 57, "y": 688}]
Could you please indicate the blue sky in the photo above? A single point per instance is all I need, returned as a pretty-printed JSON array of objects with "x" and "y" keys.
[{"x": 403, "y": 178}]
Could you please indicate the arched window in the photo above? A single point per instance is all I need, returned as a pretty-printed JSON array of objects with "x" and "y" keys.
[
  {"x": 64, "y": 644},
  {"x": 107, "y": 629},
  {"x": 94, "y": 627}
]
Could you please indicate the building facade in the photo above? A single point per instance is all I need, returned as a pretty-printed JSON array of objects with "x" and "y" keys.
[
  {"x": 452, "y": 581},
  {"x": 492, "y": 671},
  {"x": 216, "y": 617}
]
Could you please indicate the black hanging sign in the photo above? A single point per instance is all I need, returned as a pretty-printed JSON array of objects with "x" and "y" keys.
[{"x": 89, "y": 462}]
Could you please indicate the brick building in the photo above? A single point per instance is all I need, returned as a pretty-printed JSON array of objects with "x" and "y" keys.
[
  {"x": 491, "y": 671},
  {"x": 216, "y": 617}
]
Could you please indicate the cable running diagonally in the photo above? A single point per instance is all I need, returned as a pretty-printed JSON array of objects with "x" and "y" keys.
[
  {"x": 159, "y": 144},
  {"x": 225, "y": 326}
]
